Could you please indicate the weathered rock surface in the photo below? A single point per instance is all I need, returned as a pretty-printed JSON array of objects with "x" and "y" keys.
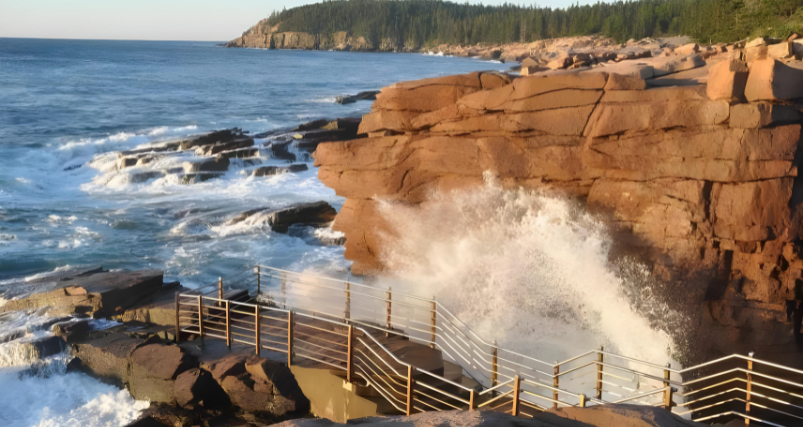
[
  {"x": 702, "y": 190},
  {"x": 98, "y": 293},
  {"x": 168, "y": 374}
]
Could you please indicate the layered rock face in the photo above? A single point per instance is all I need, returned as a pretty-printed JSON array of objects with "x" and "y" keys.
[
  {"x": 262, "y": 36},
  {"x": 702, "y": 188}
]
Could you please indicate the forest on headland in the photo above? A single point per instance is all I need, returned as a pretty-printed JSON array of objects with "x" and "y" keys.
[{"x": 432, "y": 22}]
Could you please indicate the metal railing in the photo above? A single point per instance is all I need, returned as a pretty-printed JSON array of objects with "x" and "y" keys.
[{"x": 329, "y": 311}]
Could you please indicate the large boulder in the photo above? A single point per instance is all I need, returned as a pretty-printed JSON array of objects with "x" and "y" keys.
[
  {"x": 107, "y": 356},
  {"x": 726, "y": 80},
  {"x": 772, "y": 80},
  {"x": 154, "y": 369},
  {"x": 197, "y": 386}
]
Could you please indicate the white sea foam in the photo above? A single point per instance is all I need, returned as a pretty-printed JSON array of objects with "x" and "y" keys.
[
  {"x": 529, "y": 270},
  {"x": 40, "y": 392},
  {"x": 47, "y": 395}
]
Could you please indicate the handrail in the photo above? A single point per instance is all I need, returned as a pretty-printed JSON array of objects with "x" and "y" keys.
[{"x": 443, "y": 330}]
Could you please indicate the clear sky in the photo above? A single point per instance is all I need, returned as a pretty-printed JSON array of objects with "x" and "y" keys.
[{"x": 216, "y": 20}]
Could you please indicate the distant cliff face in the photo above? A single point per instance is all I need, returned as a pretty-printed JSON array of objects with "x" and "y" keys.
[
  {"x": 263, "y": 36},
  {"x": 703, "y": 189}
]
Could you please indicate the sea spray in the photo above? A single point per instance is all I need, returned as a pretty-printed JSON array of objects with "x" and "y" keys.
[
  {"x": 38, "y": 391},
  {"x": 527, "y": 269}
]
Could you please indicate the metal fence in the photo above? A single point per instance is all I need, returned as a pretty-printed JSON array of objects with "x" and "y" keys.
[{"x": 335, "y": 322}]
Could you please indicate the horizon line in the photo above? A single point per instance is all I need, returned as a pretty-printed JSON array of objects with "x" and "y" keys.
[{"x": 120, "y": 40}]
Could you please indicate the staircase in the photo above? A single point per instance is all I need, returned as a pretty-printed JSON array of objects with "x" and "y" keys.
[{"x": 409, "y": 354}]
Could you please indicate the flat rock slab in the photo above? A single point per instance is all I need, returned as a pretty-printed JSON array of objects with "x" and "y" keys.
[{"x": 101, "y": 294}]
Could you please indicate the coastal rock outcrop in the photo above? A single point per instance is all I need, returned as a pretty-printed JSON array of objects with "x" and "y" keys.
[
  {"x": 703, "y": 188},
  {"x": 97, "y": 293}
]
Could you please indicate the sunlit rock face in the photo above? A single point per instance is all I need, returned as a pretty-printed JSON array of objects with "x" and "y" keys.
[{"x": 702, "y": 191}]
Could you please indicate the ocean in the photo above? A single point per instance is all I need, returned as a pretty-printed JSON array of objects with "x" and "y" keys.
[{"x": 68, "y": 106}]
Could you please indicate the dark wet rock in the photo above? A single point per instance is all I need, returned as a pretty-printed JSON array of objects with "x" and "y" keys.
[
  {"x": 243, "y": 153},
  {"x": 195, "y": 178},
  {"x": 126, "y": 162},
  {"x": 312, "y": 235},
  {"x": 153, "y": 148},
  {"x": 148, "y": 421},
  {"x": 216, "y": 137},
  {"x": 73, "y": 330},
  {"x": 279, "y": 150},
  {"x": 35, "y": 349},
  {"x": 215, "y": 164},
  {"x": 73, "y": 167},
  {"x": 315, "y": 124},
  {"x": 279, "y": 170},
  {"x": 196, "y": 386},
  {"x": 362, "y": 96},
  {"x": 212, "y": 149},
  {"x": 317, "y": 213},
  {"x": 276, "y": 380},
  {"x": 137, "y": 178}
]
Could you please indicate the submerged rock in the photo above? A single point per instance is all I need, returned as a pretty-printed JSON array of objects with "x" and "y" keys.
[
  {"x": 215, "y": 164},
  {"x": 317, "y": 213},
  {"x": 194, "y": 178},
  {"x": 362, "y": 96},
  {"x": 279, "y": 170}
]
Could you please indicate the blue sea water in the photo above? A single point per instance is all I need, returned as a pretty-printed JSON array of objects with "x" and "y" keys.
[
  {"x": 72, "y": 104},
  {"x": 67, "y": 107}
]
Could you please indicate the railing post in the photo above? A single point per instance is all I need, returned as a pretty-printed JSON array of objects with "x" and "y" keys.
[
  {"x": 256, "y": 328},
  {"x": 434, "y": 319},
  {"x": 599, "y": 371},
  {"x": 668, "y": 391},
  {"x": 350, "y": 358},
  {"x": 516, "y": 395},
  {"x": 220, "y": 291},
  {"x": 347, "y": 313},
  {"x": 284, "y": 290},
  {"x": 289, "y": 338},
  {"x": 201, "y": 316},
  {"x": 472, "y": 400},
  {"x": 259, "y": 280},
  {"x": 668, "y": 398},
  {"x": 494, "y": 366},
  {"x": 178, "y": 325},
  {"x": 749, "y": 388},
  {"x": 410, "y": 384},
  {"x": 387, "y": 317},
  {"x": 582, "y": 400},
  {"x": 556, "y": 384},
  {"x": 228, "y": 324}
]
